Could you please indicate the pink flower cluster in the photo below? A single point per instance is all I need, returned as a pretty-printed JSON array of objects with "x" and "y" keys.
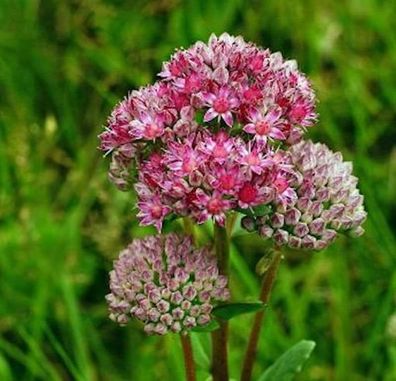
[
  {"x": 327, "y": 202},
  {"x": 207, "y": 175},
  {"x": 165, "y": 283},
  {"x": 208, "y": 137}
]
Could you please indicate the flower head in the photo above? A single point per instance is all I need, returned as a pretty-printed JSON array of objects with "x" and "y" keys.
[
  {"x": 165, "y": 283},
  {"x": 222, "y": 105},
  {"x": 325, "y": 202}
]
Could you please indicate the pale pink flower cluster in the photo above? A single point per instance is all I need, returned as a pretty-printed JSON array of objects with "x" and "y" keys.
[
  {"x": 166, "y": 283},
  {"x": 328, "y": 202},
  {"x": 208, "y": 137}
]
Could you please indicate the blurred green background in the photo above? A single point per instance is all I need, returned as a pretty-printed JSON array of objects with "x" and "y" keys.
[{"x": 63, "y": 66}]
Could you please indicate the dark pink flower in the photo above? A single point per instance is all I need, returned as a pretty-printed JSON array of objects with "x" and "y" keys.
[
  {"x": 147, "y": 127},
  {"x": 221, "y": 102},
  {"x": 218, "y": 147},
  {"x": 265, "y": 126},
  {"x": 252, "y": 158},
  {"x": 251, "y": 195},
  {"x": 226, "y": 179},
  {"x": 152, "y": 211},
  {"x": 183, "y": 158},
  {"x": 214, "y": 206}
]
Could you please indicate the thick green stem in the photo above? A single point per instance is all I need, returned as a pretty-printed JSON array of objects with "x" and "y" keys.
[
  {"x": 188, "y": 357},
  {"x": 268, "y": 282},
  {"x": 220, "y": 336}
]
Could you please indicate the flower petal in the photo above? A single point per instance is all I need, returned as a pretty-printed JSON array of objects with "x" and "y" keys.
[
  {"x": 227, "y": 117},
  {"x": 250, "y": 128},
  {"x": 273, "y": 115},
  {"x": 210, "y": 115},
  {"x": 220, "y": 75},
  {"x": 276, "y": 133}
]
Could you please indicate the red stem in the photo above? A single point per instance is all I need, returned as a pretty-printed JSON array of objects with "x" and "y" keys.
[
  {"x": 220, "y": 336},
  {"x": 188, "y": 357},
  {"x": 265, "y": 292}
]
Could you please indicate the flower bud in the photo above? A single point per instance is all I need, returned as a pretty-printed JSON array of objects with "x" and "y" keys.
[{"x": 248, "y": 223}]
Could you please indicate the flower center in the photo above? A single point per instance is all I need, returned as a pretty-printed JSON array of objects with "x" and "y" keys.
[
  {"x": 221, "y": 105},
  {"x": 150, "y": 181},
  {"x": 262, "y": 127},
  {"x": 189, "y": 165},
  {"x": 156, "y": 211},
  {"x": 219, "y": 151},
  {"x": 281, "y": 184},
  {"x": 252, "y": 159},
  {"x": 251, "y": 94},
  {"x": 298, "y": 113},
  {"x": 192, "y": 83},
  {"x": 227, "y": 182},
  {"x": 191, "y": 197},
  {"x": 152, "y": 130},
  {"x": 247, "y": 193},
  {"x": 214, "y": 206}
]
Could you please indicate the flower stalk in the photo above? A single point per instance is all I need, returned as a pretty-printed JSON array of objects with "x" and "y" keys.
[
  {"x": 268, "y": 282},
  {"x": 188, "y": 357},
  {"x": 220, "y": 336}
]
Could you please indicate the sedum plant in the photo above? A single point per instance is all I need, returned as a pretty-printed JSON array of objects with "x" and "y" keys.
[{"x": 221, "y": 134}]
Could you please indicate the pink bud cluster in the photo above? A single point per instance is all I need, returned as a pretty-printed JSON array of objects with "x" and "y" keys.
[
  {"x": 328, "y": 202},
  {"x": 208, "y": 136},
  {"x": 165, "y": 283}
]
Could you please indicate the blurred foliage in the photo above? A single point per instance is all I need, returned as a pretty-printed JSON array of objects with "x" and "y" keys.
[{"x": 63, "y": 65}]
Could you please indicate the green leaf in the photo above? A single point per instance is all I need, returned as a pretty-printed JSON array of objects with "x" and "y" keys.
[
  {"x": 211, "y": 326},
  {"x": 290, "y": 363},
  {"x": 230, "y": 310}
]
